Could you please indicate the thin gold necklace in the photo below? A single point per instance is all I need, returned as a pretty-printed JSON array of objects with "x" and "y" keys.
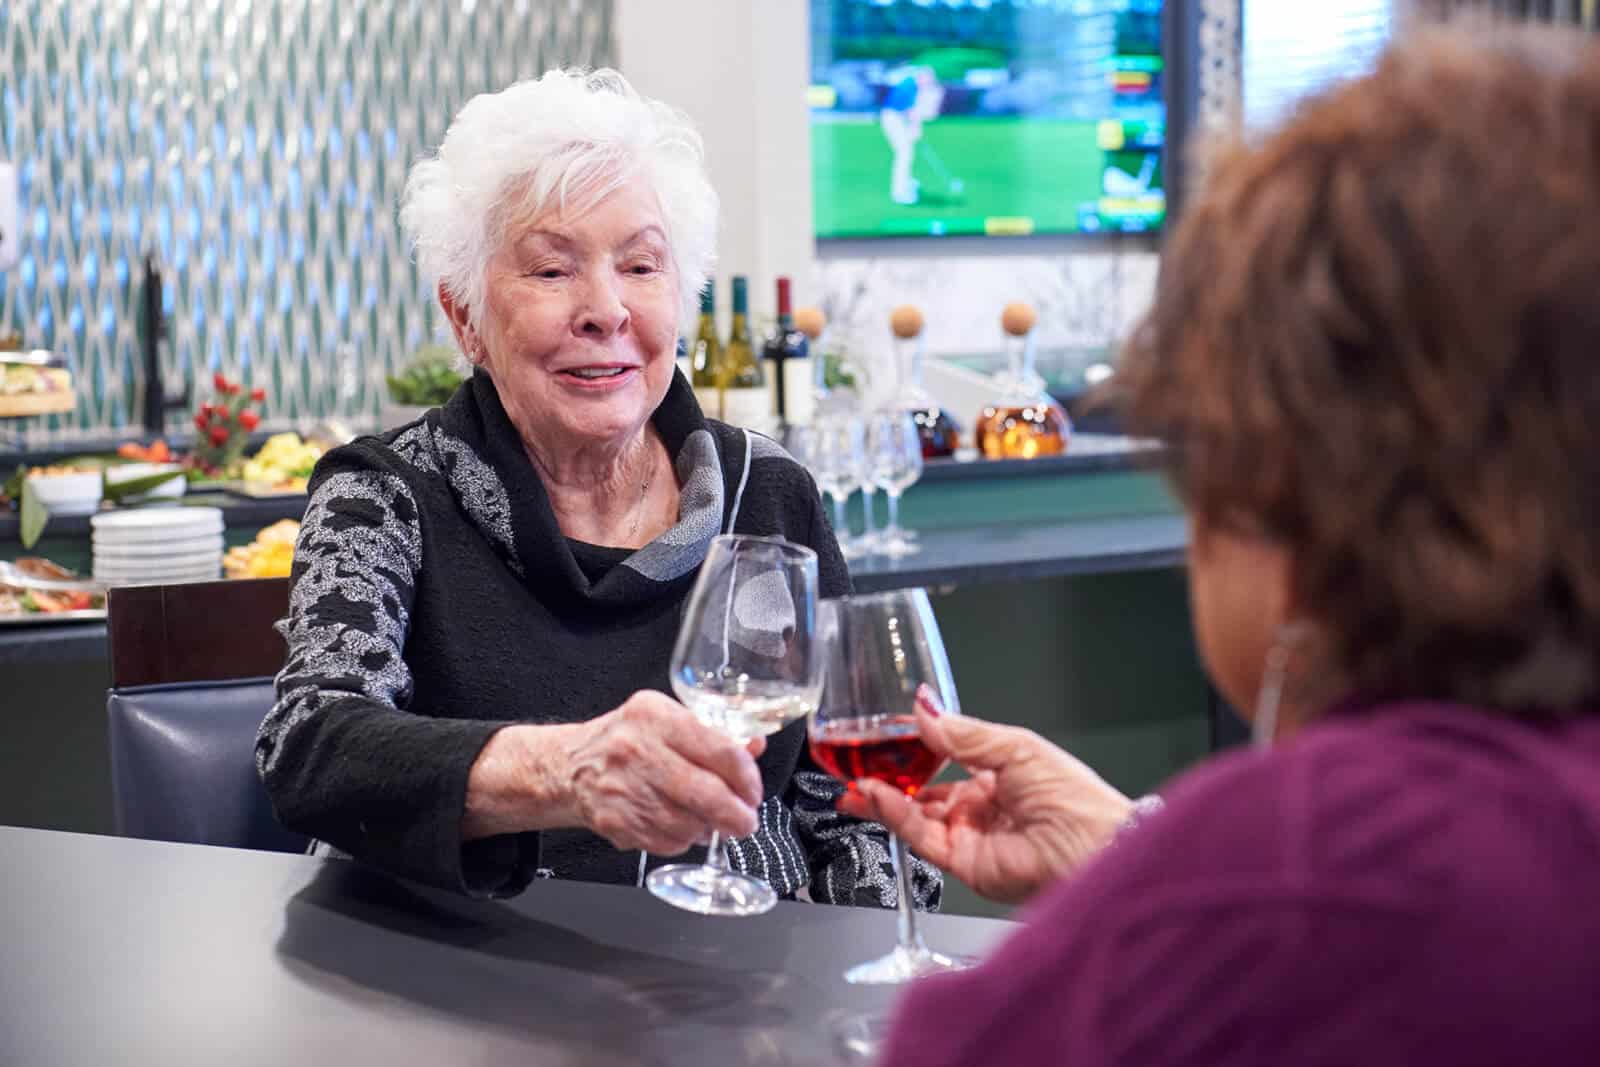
[{"x": 638, "y": 509}]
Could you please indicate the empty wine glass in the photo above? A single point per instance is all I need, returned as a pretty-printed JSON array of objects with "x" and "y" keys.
[
  {"x": 894, "y": 446},
  {"x": 880, "y": 649},
  {"x": 747, "y": 663},
  {"x": 837, "y": 448},
  {"x": 870, "y": 538}
]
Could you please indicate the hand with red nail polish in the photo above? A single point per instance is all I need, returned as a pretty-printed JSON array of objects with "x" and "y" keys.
[{"x": 1030, "y": 814}]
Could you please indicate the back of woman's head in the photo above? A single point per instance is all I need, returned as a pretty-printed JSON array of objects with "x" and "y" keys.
[{"x": 1375, "y": 340}]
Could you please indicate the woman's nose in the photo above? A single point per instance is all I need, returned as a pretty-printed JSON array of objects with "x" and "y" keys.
[{"x": 603, "y": 312}]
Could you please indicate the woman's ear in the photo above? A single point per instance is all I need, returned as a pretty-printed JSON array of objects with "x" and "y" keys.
[{"x": 461, "y": 325}]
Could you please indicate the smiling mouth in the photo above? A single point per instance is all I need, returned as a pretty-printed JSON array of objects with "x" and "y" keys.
[{"x": 590, "y": 374}]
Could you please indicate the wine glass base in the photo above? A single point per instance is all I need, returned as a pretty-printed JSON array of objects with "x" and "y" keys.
[
  {"x": 903, "y": 965},
  {"x": 898, "y": 548},
  {"x": 858, "y": 1037},
  {"x": 699, "y": 888}
]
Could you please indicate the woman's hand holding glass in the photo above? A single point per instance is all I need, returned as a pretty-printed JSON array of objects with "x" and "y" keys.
[
  {"x": 1030, "y": 814},
  {"x": 645, "y": 775},
  {"x": 651, "y": 776}
]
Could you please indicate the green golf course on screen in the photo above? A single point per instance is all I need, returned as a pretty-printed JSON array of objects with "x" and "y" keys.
[{"x": 1002, "y": 118}]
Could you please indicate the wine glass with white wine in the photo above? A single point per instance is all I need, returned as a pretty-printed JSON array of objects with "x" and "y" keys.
[{"x": 747, "y": 663}]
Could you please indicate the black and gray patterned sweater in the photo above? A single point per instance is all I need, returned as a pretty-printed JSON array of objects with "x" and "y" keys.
[{"x": 435, "y": 600}]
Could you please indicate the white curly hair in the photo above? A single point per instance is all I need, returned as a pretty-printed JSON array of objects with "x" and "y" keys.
[{"x": 564, "y": 141}]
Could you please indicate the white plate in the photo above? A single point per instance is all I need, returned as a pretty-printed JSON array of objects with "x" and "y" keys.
[
  {"x": 155, "y": 537},
  {"x": 187, "y": 579},
  {"x": 155, "y": 519},
  {"x": 158, "y": 564},
  {"x": 186, "y": 566},
  {"x": 145, "y": 525},
  {"x": 131, "y": 550},
  {"x": 159, "y": 567},
  {"x": 102, "y": 573}
]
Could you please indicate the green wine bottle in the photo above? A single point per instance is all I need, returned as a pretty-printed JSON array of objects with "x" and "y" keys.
[
  {"x": 743, "y": 384},
  {"x": 705, "y": 355}
]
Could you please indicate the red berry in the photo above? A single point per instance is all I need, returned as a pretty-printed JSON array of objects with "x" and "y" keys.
[
  {"x": 249, "y": 419},
  {"x": 220, "y": 382},
  {"x": 219, "y": 436},
  {"x": 258, "y": 395},
  {"x": 200, "y": 419}
]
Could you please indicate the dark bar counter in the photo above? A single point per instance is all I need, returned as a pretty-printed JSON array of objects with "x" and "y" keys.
[{"x": 158, "y": 955}]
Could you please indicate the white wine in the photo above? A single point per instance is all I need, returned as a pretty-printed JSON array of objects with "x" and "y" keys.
[
  {"x": 742, "y": 385},
  {"x": 754, "y": 710}
]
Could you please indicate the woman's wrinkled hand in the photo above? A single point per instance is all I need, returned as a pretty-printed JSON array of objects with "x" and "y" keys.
[
  {"x": 1030, "y": 814},
  {"x": 649, "y": 775}
]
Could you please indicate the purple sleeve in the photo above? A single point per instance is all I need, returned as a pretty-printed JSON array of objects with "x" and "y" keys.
[{"x": 1196, "y": 939}]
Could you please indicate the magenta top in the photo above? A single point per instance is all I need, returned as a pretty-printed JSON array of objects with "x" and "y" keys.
[{"x": 1401, "y": 885}]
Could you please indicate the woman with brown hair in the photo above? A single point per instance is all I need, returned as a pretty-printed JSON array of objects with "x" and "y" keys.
[{"x": 1372, "y": 356}]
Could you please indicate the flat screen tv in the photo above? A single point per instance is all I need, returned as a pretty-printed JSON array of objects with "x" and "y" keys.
[{"x": 1001, "y": 117}]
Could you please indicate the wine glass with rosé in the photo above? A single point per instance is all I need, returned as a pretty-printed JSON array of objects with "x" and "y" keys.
[{"x": 879, "y": 650}]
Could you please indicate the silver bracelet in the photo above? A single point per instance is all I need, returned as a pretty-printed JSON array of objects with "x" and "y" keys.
[{"x": 1142, "y": 809}]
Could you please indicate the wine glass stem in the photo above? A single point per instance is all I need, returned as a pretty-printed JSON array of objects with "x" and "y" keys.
[
  {"x": 910, "y": 939},
  {"x": 893, "y": 529},
  {"x": 840, "y": 528},
  {"x": 866, "y": 511},
  {"x": 716, "y": 858}
]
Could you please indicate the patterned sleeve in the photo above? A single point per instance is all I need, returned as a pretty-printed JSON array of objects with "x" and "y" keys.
[
  {"x": 341, "y": 753},
  {"x": 848, "y": 857}
]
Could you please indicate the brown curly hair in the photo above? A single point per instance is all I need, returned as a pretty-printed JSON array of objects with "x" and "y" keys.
[{"x": 1375, "y": 339}]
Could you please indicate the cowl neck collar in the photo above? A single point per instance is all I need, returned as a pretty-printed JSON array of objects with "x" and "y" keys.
[{"x": 533, "y": 546}]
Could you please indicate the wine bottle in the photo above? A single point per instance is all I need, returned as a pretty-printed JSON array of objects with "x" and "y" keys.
[
  {"x": 786, "y": 345},
  {"x": 742, "y": 384},
  {"x": 705, "y": 354}
]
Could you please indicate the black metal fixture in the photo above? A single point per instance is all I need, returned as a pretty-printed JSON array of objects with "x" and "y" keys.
[{"x": 152, "y": 331}]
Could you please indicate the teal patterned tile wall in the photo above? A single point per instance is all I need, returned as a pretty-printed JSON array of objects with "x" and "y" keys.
[{"x": 259, "y": 147}]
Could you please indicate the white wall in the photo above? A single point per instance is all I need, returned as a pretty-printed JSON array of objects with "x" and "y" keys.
[{"x": 739, "y": 68}]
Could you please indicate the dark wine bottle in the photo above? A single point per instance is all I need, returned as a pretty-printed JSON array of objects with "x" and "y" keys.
[{"x": 785, "y": 344}]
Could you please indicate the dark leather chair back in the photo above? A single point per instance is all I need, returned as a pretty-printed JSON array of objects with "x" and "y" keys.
[
  {"x": 191, "y": 669},
  {"x": 183, "y": 764}
]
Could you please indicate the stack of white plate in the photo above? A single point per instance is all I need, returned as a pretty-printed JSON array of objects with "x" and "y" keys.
[{"x": 157, "y": 546}]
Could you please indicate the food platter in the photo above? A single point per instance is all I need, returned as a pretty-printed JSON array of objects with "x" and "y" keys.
[
  {"x": 47, "y": 618},
  {"x": 18, "y": 407}
]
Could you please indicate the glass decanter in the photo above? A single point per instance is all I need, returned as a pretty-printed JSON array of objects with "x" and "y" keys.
[
  {"x": 1026, "y": 422},
  {"x": 939, "y": 433}
]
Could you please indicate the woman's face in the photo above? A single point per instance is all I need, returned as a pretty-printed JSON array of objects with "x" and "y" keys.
[
  {"x": 580, "y": 325},
  {"x": 1239, "y": 597}
]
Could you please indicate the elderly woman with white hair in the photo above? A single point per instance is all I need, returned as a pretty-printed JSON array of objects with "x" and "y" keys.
[{"x": 484, "y": 601}]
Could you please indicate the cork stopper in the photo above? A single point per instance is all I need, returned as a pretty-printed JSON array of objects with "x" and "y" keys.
[
  {"x": 1018, "y": 318},
  {"x": 906, "y": 321},
  {"x": 810, "y": 321}
]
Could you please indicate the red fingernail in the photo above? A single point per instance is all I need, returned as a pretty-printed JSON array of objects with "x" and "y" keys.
[{"x": 928, "y": 700}]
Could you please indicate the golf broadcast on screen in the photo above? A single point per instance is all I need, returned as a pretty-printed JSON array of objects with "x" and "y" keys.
[{"x": 998, "y": 117}]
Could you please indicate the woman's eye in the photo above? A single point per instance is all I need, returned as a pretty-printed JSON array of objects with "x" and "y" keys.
[
  {"x": 548, "y": 272},
  {"x": 642, "y": 268}
]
